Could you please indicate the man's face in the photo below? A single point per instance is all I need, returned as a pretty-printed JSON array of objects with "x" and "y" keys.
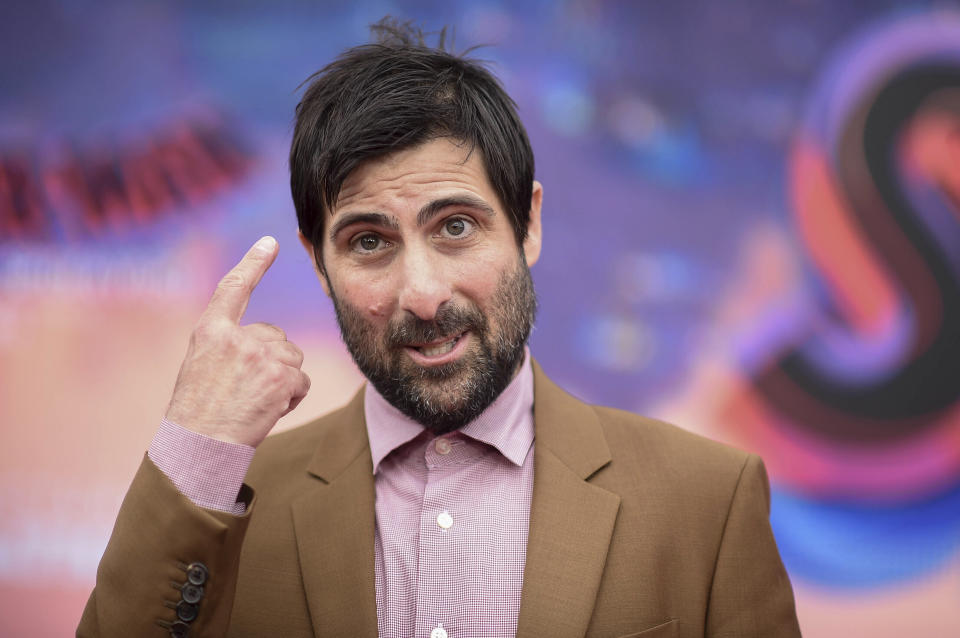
[{"x": 433, "y": 294}]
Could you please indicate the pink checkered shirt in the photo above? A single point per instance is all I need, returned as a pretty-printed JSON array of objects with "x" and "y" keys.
[{"x": 452, "y": 512}]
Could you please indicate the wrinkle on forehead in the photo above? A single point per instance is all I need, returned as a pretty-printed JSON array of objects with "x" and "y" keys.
[{"x": 441, "y": 163}]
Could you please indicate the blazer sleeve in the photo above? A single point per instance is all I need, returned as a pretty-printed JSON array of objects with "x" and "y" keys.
[
  {"x": 751, "y": 593},
  {"x": 160, "y": 542}
]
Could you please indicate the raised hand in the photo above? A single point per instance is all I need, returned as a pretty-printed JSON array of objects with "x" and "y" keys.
[{"x": 237, "y": 381}]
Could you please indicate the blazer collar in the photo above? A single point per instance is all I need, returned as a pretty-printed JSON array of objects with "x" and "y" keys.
[
  {"x": 571, "y": 520},
  {"x": 344, "y": 438},
  {"x": 334, "y": 524},
  {"x": 567, "y": 427}
]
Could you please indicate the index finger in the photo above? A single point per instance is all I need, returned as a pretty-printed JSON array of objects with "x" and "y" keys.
[{"x": 232, "y": 295}]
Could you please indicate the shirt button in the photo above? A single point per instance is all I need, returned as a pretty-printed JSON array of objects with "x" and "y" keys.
[
  {"x": 445, "y": 521},
  {"x": 443, "y": 446},
  {"x": 439, "y": 632}
]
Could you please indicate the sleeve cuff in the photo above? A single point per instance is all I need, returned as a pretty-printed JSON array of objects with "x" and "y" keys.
[{"x": 208, "y": 471}]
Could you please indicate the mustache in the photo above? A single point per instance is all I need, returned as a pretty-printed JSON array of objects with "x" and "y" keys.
[{"x": 448, "y": 321}]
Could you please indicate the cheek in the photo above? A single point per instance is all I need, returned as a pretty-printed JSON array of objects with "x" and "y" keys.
[
  {"x": 370, "y": 296},
  {"x": 480, "y": 279}
]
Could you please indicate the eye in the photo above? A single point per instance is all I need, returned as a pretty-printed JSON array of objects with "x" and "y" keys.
[
  {"x": 457, "y": 227},
  {"x": 368, "y": 243}
]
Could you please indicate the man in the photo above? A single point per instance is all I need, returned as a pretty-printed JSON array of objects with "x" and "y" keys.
[{"x": 460, "y": 493}]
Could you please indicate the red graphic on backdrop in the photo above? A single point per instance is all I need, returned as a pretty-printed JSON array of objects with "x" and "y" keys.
[{"x": 96, "y": 192}]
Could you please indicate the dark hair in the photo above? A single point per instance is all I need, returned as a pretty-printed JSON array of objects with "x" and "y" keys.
[{"x": 397, "y": 93}]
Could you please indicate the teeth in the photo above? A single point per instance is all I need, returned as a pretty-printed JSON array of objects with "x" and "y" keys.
[{"x": 441, "y": 348}]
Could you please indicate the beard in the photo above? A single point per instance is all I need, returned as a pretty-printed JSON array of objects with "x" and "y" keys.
[{"x": 446, "y": 397}]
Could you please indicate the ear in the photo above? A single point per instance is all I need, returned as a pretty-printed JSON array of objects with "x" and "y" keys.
[
  {"x": 531, "y": 245},
  {"x": 311, "y": 253}
]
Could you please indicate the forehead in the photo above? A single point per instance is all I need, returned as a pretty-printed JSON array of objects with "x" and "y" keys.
[{"x": 435, "y": 168}]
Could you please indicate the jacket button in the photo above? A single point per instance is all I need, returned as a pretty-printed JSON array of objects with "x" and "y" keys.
[
  {"x": 191, "y": 593},
  {"x": 186, "y": 612},
  {"x": 197, "y": 573},
  {"x": 179, "y": 630}
]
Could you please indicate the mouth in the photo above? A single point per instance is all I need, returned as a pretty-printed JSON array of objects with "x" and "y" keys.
[{"x": 438, "y": 352}]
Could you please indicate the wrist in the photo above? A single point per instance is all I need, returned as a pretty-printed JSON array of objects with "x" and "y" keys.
[{"x": 212, "y": 428}]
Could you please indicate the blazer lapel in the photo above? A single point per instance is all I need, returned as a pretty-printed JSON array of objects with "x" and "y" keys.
[
  {"x": 571, "y": 521},
  {"x": 334, "y": 523}
]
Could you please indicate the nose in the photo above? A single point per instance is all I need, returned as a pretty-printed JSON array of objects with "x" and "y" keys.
[{"x": 424, "y": 286}]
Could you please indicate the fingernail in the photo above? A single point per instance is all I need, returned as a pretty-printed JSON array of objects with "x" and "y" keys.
[{"x": 266, "y": 244}]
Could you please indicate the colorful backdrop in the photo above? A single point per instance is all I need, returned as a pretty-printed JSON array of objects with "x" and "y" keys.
[{"x": 752, "y": 228}]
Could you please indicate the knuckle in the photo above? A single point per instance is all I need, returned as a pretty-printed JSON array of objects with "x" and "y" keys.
[
  {"x": 293, "y": 382},
  {"x": 263, "y": 329},
  {"x": 276, "y": 376},
  {"x": 233, "y": 280},
  {"x": 296, "y": 353}
]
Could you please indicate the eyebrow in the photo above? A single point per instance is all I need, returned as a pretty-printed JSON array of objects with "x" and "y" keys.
[
  {"x": 426, "y": 213},
  {"x": 430, "y": 211}
]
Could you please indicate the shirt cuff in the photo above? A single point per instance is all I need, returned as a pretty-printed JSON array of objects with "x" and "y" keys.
[{"x": 208, "y": 471}]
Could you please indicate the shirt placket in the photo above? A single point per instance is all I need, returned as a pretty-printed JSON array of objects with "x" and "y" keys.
[{"x": 437, "y": 570}]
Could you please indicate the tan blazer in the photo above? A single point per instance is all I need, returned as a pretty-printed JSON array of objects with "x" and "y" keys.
[{"x": 637, "y": 528}]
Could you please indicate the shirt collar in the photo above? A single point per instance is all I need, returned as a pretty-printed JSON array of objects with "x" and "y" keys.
[{"x": 506, "y": 424}]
